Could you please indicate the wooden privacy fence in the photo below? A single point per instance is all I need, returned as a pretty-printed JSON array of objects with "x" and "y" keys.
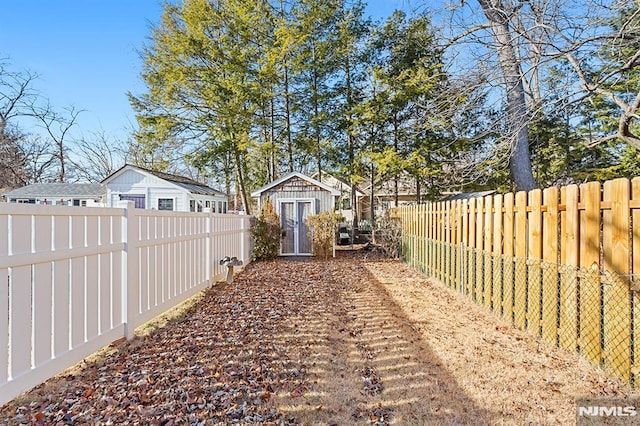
[
  {"x": 75, "y": 279},
  {"x": 562, "y": 263}
]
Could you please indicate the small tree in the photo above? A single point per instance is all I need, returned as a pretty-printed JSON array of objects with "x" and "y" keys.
[
  {"x": 323, "y": 227},
  {"x": 266, "y": 233}
]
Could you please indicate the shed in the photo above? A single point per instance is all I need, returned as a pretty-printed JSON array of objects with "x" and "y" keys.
[
  {"x": 151, "y": 189},
  {"x": 296, "y": 196}
]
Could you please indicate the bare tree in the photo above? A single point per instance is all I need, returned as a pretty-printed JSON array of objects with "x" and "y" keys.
[
  {"x": 16, "y": 93},
  {"x": 98, "y": 155},
  {"x": 57, "y": 126}
]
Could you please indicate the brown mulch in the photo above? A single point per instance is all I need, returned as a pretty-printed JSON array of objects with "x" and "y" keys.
[{"x": 352, "y": 340}]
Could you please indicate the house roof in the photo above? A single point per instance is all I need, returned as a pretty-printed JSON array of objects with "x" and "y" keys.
[
  {"x": 337, "y": 183},
  {"x": 59, "y": 190},
  {"x": 190, "y": 185},
  {"x": 286, "y": 177},
  {"x": 467, "y": 195}
]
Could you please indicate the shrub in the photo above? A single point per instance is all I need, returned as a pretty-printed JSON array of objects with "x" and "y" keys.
[
  {"x": 266, "y": 233},
  {"x": 323, "y": 227},
  {"x": 389, "y": 235}
]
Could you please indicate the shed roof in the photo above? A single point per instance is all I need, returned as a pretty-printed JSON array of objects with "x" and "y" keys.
[
  {"x": 299, "y": 175},
  {"x": 56, "y": 190},
  {"x": 186, "y": 183}
]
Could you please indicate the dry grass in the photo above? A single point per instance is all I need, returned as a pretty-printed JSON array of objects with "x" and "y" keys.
[{"x": 439, "y": 359}]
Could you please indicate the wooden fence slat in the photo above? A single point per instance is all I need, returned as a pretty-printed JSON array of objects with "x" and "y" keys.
[
  {"x": 570, "y": 253},
  {"x": 471, "y": 271},
  {"x": 550, "y": 283},
  {"x": 590, "y": 293},
  {"x": 635, "y": 285},
  {"x": 464, "y": 260},
  {"x": 616, "y": 294},
  {"x": 488, "y": 251},
  {"x": 441, "y": 238},
  {"x": 497, "y": 254},
  {"x": 508, "y": 252},
  {"x": 447, "y": 240},
  {"x": 520, "y": 302},
  {"x": 534, "y": 255},
  {"x": 423, "y": 238},
  {"x": 479, "y": 282},
  {"x": 431, "y": 236},
  {"x": 458, "y": 242}
]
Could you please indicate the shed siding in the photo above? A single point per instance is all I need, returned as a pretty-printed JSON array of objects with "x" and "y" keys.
[
  {"x": 324, "y": 200},
  {"x": 296, "y": 188}
]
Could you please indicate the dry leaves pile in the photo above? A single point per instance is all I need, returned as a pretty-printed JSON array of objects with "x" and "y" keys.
[{"x": 353, "y": 340}]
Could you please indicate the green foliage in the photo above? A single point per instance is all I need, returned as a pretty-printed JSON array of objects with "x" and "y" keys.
[
  {"x": 323, "y": 227},
  {"x": 266, "y": 233}
]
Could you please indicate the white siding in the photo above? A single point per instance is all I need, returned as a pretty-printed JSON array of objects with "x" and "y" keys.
[{"x": 133, "y": 182}]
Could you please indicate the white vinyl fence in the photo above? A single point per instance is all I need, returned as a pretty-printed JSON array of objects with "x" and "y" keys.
[{"x": 75, "y": 279}]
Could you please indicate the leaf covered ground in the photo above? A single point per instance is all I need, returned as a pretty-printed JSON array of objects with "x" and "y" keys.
[{"x": 353, "y": 340}]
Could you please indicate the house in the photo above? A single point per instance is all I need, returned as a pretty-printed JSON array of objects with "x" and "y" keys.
[
  {"x": 295, "y": 197},
  {"x": 150, "y": 189},
  {"x": 344, "y": 201},
  {"x": 67, "y": 194}
]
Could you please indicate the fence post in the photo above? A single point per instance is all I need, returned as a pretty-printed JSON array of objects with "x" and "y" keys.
[
  {"x": 130, "y": 294},
  {"x": 207, "y": 250}
]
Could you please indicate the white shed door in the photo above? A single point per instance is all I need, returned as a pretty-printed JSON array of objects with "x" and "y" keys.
[{"x": 293, "y": 218}]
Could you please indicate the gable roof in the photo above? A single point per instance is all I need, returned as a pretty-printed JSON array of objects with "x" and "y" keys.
[
  {"x": 186, "y": 183},
  {"x": 59, "y": 190},
  {"x": 337, "y": 183},
  {"x": 299, "y": 175}
]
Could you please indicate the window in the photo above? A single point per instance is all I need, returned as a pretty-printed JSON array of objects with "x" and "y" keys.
[
  {"x": 219, "y": 206},
  {"x": 346, "y": 203},
  {"x": 224, "y": 207},
  {"x": 207, "y": 204},
  {"x": 76, "y": 202},
  {"x": 192, "y": 205},
  {"x": 165, "y": 204}
]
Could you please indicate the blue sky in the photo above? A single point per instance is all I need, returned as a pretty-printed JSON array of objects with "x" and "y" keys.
[{"x": 85, "y": 53}]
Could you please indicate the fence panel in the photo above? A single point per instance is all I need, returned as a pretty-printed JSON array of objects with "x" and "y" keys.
[{"x": 75, "y": 279}]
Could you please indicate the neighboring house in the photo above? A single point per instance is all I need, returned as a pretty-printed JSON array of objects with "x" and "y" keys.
[
  {"x": 344, "y": 202},
  {"x": 67, "y": 194},
  {"x": 466, "y": 195},
  {"x": 295, "y": 197},
  {"x": 150, "y": 189}
]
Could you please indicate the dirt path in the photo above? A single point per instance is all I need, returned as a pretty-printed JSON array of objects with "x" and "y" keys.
[{"x": 351, "y": 341}]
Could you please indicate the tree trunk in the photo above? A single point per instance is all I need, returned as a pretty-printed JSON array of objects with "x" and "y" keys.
[
  {"x": 241, "y": 184},
  {"x": 272, "y": 138},
  {"x": 519, "y": 159},
  {"x": 396, "y": 147},
  {"x": 287, "y": 109}
]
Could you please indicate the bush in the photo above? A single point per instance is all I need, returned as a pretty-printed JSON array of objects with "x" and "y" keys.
[
  {"x": 266, "y": 233},
  {"x": 389, "y": 235},
  {"x": 323, "y": 227}
]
